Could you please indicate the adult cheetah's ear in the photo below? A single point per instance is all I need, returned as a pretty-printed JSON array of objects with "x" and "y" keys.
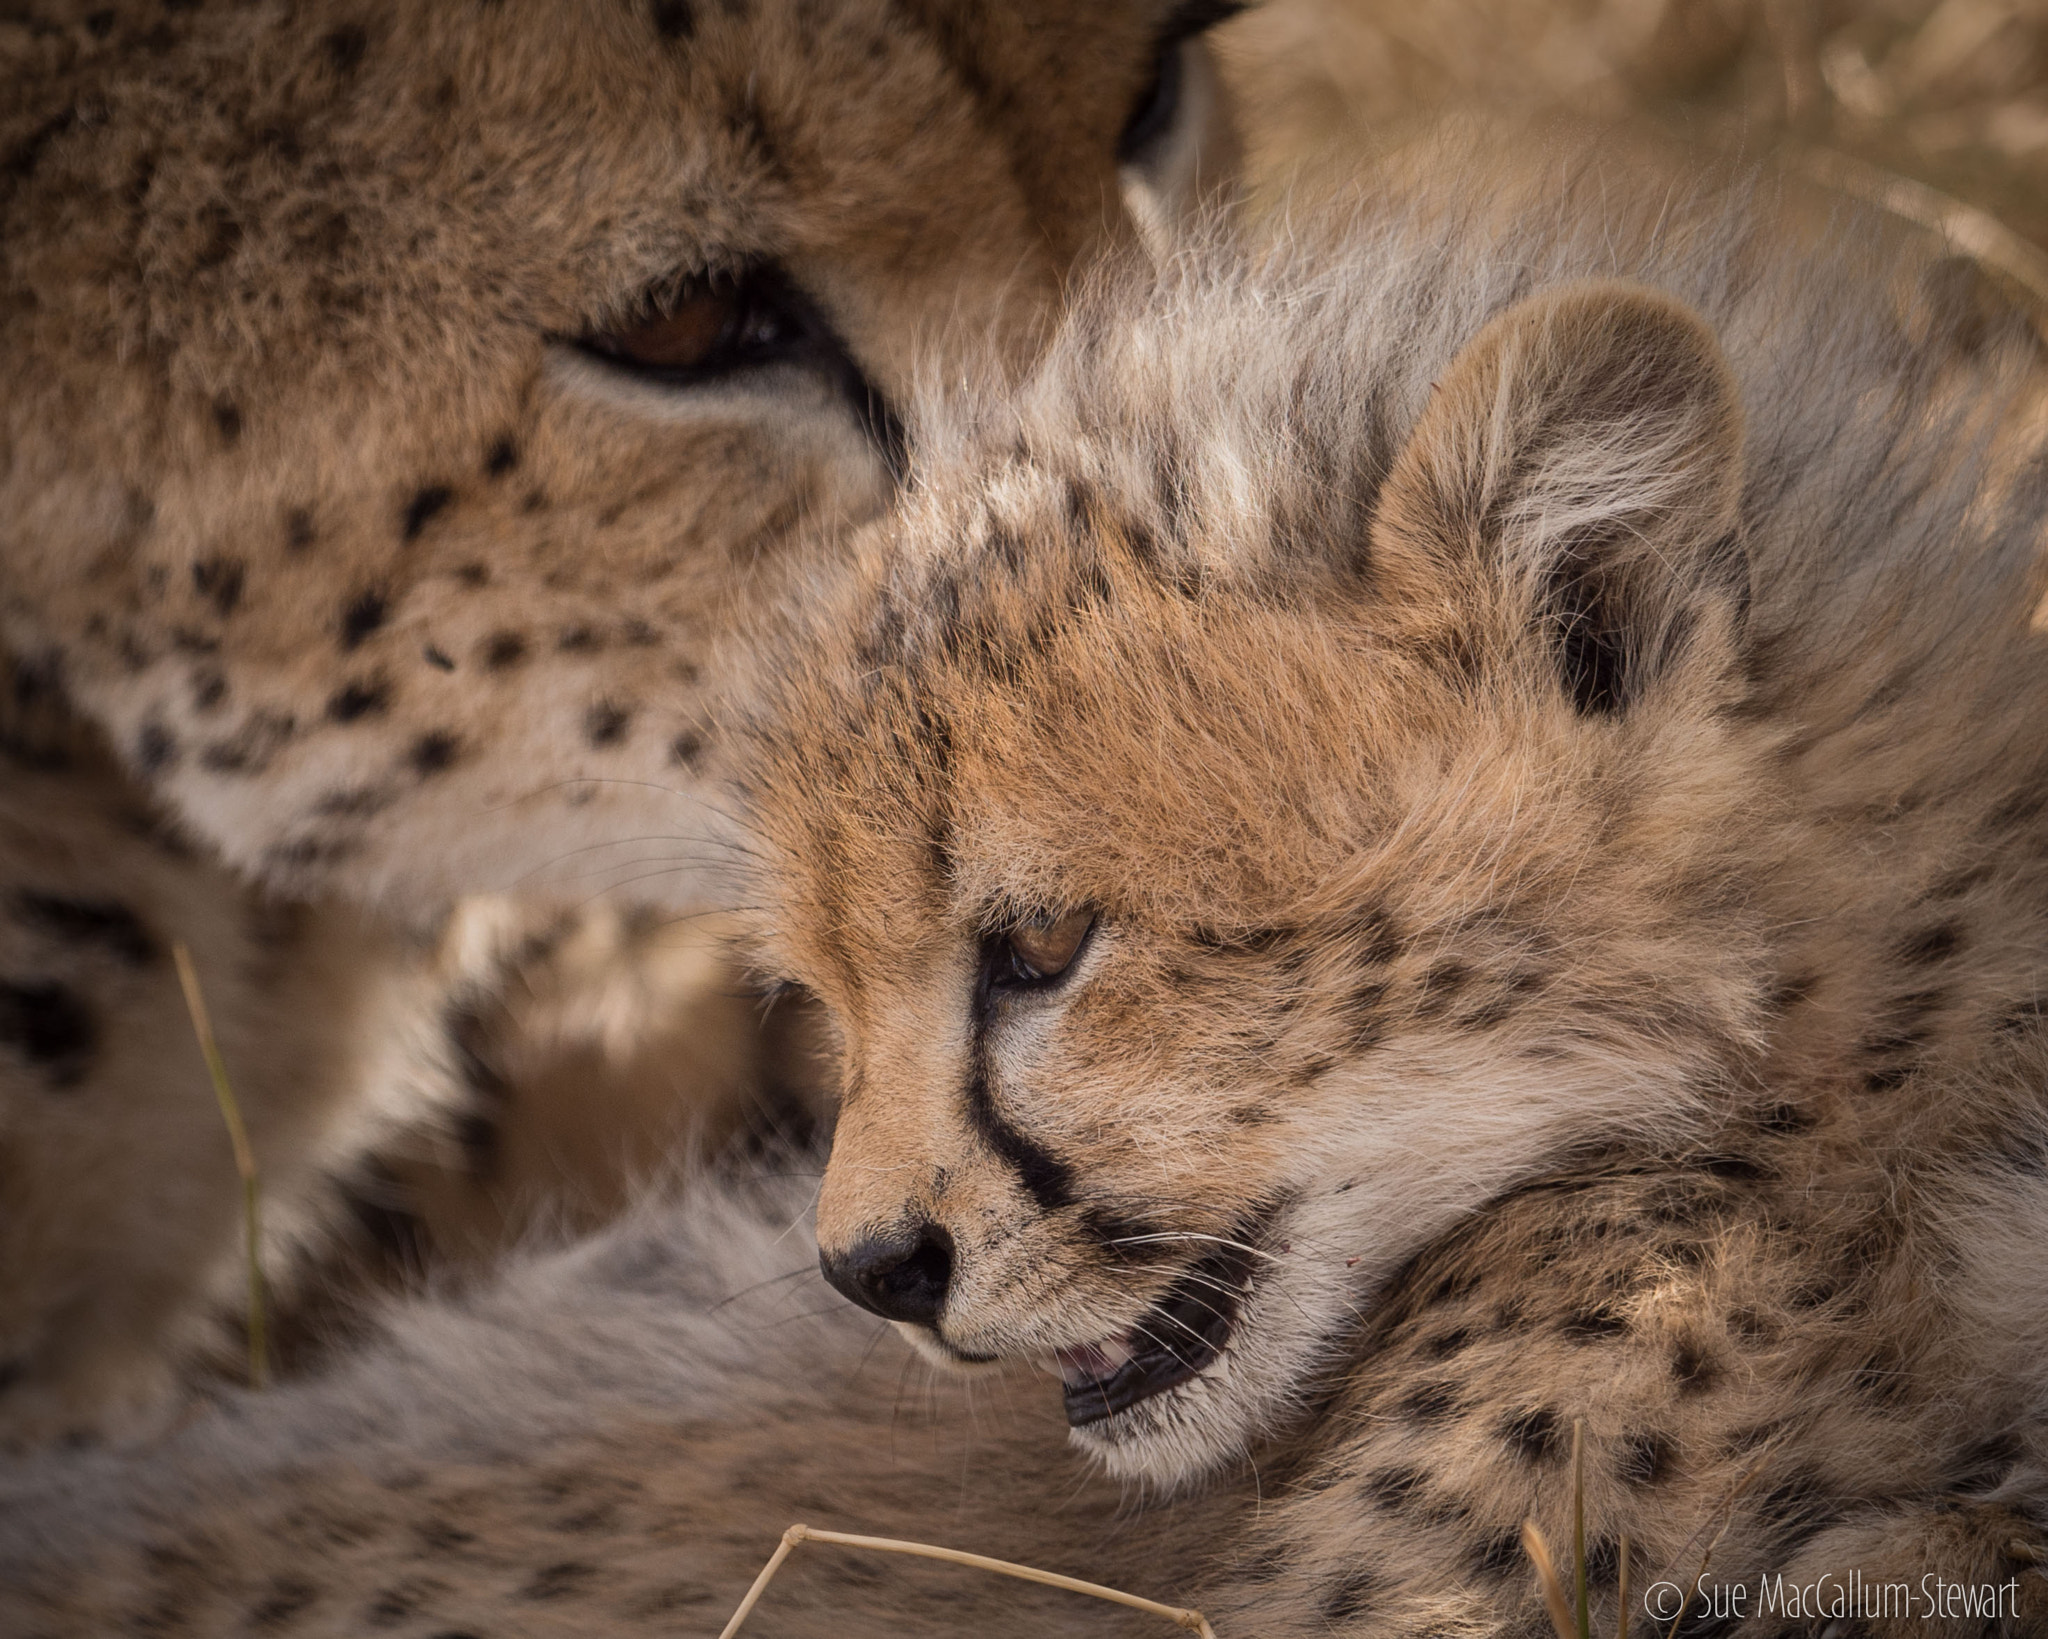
[{"x": 1576, "y": 475}]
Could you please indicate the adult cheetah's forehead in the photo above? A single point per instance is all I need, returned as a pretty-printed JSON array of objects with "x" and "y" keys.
[
  {"x": 346, "y": 136},
  {"x": 320, "y": 328}
]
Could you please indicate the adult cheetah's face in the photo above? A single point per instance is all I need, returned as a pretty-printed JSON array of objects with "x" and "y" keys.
[
  {"x": 397, "y": 398},
  {"x": 1208, "y": 930}
]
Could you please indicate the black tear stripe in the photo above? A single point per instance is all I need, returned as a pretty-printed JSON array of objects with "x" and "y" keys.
[{"x": 1047, "y": 1179}]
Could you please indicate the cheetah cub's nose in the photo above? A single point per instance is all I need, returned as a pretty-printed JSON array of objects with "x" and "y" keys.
[{"x": 902, "y": 1276}]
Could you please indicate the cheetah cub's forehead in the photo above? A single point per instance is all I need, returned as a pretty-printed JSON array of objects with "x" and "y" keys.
[{"x": 1234, "y": 847}]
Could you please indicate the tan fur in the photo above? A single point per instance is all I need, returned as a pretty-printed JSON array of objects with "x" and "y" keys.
[
  {"x": 319, "y": 538},
  {"x": 1586, "y": 951}
]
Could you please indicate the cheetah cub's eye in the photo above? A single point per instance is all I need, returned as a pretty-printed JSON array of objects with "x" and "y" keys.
[
  {"x": 706, "y": 326},
  {"x": 1042, "y": 949}
]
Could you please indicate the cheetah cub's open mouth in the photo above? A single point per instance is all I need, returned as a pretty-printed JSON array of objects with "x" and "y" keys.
[{"x": 1175, "y": 1340}]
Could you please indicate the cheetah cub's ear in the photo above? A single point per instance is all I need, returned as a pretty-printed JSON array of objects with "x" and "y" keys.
[{"x": 1574, "y": 482}]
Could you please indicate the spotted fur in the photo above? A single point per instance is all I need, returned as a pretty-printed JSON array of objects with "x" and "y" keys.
[
  {"x": 1539, "y": 699},
  {"x": 330, "y": 548}
]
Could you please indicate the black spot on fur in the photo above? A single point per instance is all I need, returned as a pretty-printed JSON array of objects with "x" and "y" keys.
[
  {"x": 362, "y": 617},
  {"x": 503, "y": 650},
  {"x": 1985, "y": 1464},
  {"x": 1603, "y": 1561},
  {"x": 435, "y": 658},
  {"x": 2024, "y": 1154},
  {"x": 1267, "y": 1564},
  {"x": 252, "y": 747},
  {"x": 1739, "y": 1169},
  {"x": 1785, "y": 1121},
  {"x": 1882, "y": 1377},
  {"x": 352, "y": 802},
  {"x": 1498, "y": 1555},
  {"x": 1813, "y": 1294},
  {"x": 675, "y": 19},
  {"x": 1431, "y": 1402},
  {"x": 474, "y": 574},
  {"x": 220, "y": 581},
  {"x": 558, "y": 1581},
  {"x": 1790, "y": 992},
  {"x": 1930, "y": 945},
  {"x": 368, "y": 697},
  {"x": 103, "y": 922},
  {"x": 23, "y": 161},
  {"x": 606, "y": 724},
  {"x": 1800, "y": 1505},
  {"x": 1349, "y": 1596},
  {"x": 285, "y": 1599},
  {"x": 299, "y": 534},
  {"x": 1887, "y": 1078},
  {"x": 685, "y": 749},
  {"x": 579, "y": 640},
  {"x": 443, "y": 1535},
  {"x": 1594, "y": 1326},
  {"x": 223, "y": 237},
  {"x": 1452, "y": 1342},
  {"x": 155, "y": 748},
  {"x": 501, "y": 458},
  {"x": 1244, "y": 941},
  {"x": 427, "y": 503},
  {"x": 345, "y": 47},
  {"x": 1644, "y": 1457},
  {"x": 1534, "y": 1436},
  {"x": 1392, "y": 1489},
  {"x": 394, "y": 1605},
  {"x": 434, "y": 753},
  {"x": 1693, "y": 1369},
  {"x": 51, "y": 1026},
  {"x": 1373, "y": 935},
  {"x": 227, "y": 419},
  {"x": 1440, "y": 986},
  {"x": 209, "y": 689}
]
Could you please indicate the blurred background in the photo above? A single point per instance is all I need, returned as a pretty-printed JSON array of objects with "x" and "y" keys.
[{"x": 1951, "y": 95}]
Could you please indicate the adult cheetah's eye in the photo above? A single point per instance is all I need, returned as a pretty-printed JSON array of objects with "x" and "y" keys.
[
  {"x": 707, "y": 326},
  {"x": 702, "y": 330},
  {"x": 1041, "y": 949}
]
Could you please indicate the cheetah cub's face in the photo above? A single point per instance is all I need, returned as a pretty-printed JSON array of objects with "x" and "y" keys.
[{"x": 1220, "y": 892}]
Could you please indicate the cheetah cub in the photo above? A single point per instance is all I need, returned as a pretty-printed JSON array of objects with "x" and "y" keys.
[{"x": 1437, "y": 838}]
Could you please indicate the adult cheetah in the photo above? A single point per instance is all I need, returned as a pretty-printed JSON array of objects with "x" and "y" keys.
[
  {"x": 1434, "y": 839},
  {"x": 396, "y": 400}
]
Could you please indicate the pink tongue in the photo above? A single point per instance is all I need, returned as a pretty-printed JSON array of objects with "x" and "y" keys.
[{"x": 1092, "y": 1362}]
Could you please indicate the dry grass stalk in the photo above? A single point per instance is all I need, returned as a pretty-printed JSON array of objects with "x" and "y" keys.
[
  {"x": 1534, "y": 1544},
  {"x": 245, "y": 1163},
  {"x": 1554, "y": 1600},
  {"x": 1621, "y": 1594},
  {"x": 1193, "y": 1621},
  {"x": 1579, "y": 1526}
]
